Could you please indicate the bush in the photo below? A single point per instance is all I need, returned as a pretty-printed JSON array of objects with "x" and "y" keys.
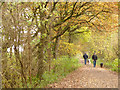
[
  {"x": 62, "y": 67},
  {"x": 113, "y": 65}
]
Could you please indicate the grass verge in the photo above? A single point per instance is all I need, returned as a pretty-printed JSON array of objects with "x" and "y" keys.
[
  {"x": 112, "y": 65},
  {"x": 61, "y": 67}
]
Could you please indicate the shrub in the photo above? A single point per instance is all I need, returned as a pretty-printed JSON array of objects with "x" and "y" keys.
[{"x": 62, "y": 67}]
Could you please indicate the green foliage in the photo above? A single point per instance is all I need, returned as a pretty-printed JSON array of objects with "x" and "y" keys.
[
  {"x": 115, "y": 65},
  {"x": 12, "y": 73},
  {"x": 61, "y": 67},
  {"x": 66, "y": 64},
  {"x": 44, "y": 35},
  {"x": 112, "y": 65}
]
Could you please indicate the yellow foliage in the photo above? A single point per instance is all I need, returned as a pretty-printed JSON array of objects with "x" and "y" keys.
[{"x": 68, "y": 48}]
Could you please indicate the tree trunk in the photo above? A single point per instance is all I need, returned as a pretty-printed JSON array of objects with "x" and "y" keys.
[
  {"x": 29, "y": 54},
  {"x": 4, "y": 60},
  {"x": 41, "y": 45},
  {"x": 21, "y": 64},
  {"x": 49, "y": 49},
  {"x": 55, "y": 49},
  {"x": 41, "y": 52},
  {"x": 10, "y": 52},
  {"x": 40, "y": 57},
  {"x": 69, "y": 41}
]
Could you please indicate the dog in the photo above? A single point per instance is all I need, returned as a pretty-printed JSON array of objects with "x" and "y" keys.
[
  {"x": 101, "y": 65},
  {"x": 89, "y": 61}
]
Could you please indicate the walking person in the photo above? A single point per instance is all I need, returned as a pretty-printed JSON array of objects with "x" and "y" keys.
[
  {"x": 94, "y": 57},
  {"x": 85, "y": 56}
]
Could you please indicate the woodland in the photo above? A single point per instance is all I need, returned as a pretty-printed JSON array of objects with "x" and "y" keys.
[{"x": 41, "y": 40}]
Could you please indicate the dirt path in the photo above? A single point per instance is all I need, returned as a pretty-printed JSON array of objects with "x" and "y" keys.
[{"x": 89, "y": 77}]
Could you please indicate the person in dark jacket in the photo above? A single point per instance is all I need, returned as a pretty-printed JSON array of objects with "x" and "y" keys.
[
  {"x": 94, "y": 57},
  {"x": 85, "y": 56}
]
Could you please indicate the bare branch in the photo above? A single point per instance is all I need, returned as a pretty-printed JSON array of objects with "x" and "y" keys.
[
  {"x": 72, "y": 14},
  {"x": 66, "y": 28},
  {"x": 46, "y": 3},
  {"x": 54, "y": 5}
]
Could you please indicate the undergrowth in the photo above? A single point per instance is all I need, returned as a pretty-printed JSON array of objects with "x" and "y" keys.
[{"x": 61, "y": 67}]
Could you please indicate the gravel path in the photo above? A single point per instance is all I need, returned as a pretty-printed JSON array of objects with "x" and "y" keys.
[{"x": 88, "y": 77}]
